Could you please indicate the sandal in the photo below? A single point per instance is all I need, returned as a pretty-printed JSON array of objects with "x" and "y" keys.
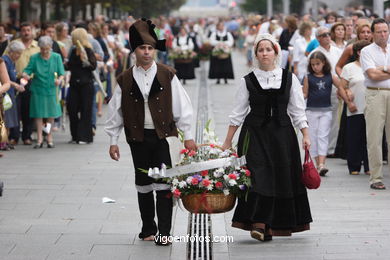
[
  {"x": 378, "y": 186},
  {"x": 322, "y": 170},
  {"x": 354, "y": 173},
  {"x": 259, "y": 234},
  {"x": 367, "y": 173}
]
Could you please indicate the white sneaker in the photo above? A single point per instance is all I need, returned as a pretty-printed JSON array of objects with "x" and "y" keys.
[
  {"x": 81, "y": 142},
  {"x": 47, "y": 128}
]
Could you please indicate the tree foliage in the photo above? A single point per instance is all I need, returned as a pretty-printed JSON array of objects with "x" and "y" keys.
[{"x": 260, "y": 6}]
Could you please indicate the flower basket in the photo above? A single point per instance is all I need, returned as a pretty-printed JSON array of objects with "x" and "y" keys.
[
  {"x": 207, "y": 180},
  {"x": 181, "y": 61},
  {"x": 210, "y": 203},
  {"x": 223, "y": 56}
]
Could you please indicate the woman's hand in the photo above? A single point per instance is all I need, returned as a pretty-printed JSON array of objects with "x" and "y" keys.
[
  {"x": 57, "y": 82},
  {"x": 19, "y": 88},
  {"x": 227, "y": 145},
  {"x": 306, "y": 142},
  {"x": 352, "y": 107},
  {"x": 350, "y": 95}
]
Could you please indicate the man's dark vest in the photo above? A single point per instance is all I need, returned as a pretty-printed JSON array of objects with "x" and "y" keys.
[
  {"x": 159, "y": 100},
  {"x": 268, "y": 104}
]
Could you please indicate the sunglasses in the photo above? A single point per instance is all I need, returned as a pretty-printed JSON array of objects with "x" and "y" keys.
[{"x": 324, "y": 34}]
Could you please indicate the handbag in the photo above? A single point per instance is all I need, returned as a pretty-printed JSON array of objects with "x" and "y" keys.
[
  {"x": 3, "y": 131},
  {"x": 310, "y": 177},
  {"x": 7, "y": 102}
]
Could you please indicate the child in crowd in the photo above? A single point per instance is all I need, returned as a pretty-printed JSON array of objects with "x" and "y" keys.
[{"x": 317, "y": 88}]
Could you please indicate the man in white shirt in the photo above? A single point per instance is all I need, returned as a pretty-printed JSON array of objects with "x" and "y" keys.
[
  {"x": 150, "y": 104},
  {"x": 333, "y": 55},
  {"x": 375, "y": 61}
]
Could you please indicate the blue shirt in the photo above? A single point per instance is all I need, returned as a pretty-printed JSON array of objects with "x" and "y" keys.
[
  {"x": 320, "y": 90},
  {"x": 312, "y": 45}
]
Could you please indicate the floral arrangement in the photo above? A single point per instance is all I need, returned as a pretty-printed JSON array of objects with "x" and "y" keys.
[
  {"x": 205, "y": 51},
  {"x": 221, "y": 50},
  {"x": 228, "y": 180},
  {"x": 179, "y": 54}
]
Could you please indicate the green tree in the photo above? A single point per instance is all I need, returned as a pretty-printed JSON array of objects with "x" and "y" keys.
[{"x": 260, "y": 6}]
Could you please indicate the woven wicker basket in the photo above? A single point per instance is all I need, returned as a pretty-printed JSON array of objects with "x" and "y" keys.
[
  {"x": 210, "y": 203},
  {"x": 223, "y": 56},
  {"x": 183, "y": 61}
]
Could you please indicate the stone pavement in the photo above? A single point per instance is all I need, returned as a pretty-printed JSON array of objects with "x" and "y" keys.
[{"x": 52, "y": 205}]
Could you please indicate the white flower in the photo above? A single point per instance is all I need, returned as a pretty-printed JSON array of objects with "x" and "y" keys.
[
  {"x": 226, "y": 178},
  {"x": 175, "y": 182},
  {"x": 182, "y": 184},
  {"x": 224, "y": 154},
  {"x": 189, "y": 179},
  {"x": 232, "y": 182},
  {"x": 210, "y": 187},
  {"x": 226, "y": 192},
  {"x": 217, "y": 174}
]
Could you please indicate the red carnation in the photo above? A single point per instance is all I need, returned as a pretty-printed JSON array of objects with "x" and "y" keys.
[
  {"x": 183, "y": 151},
  {"x": 194, "y": 181},
  {"x": 191, "y": 153},
  {"x": 247, "y": 173},
  {"x": 234, "y": 154},
  {"x": 176, "y": 193},
  {"x": 218, "y": 184},
  {"x": 212, "y": 145},
  {"x": 205, "y": 182},
  {"x": 204, "y": 173},
  {"x": 232, "y": 176}
]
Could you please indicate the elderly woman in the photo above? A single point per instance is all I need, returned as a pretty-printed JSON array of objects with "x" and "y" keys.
[
  {"x": 15, "y": 50},
  {"x": 266, "y": 99},
  {"x": 48, "y": 71},
  {"x": 82, "y": 63}
]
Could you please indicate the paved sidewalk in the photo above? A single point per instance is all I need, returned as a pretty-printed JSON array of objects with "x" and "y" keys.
[{"x": 52, "y": 205}]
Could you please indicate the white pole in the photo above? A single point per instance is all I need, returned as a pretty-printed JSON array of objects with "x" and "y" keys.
[
  {"x": 286, "y": 7},
  {"x": 314, "y": 9},
  {"x": 378, "y": 8},
  {"x": 269, "y": 8}
]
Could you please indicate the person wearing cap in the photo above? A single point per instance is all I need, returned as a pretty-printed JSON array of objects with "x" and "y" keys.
[
  {"x": 269, "y": 101},
  {"x": 150, "y": 104}
]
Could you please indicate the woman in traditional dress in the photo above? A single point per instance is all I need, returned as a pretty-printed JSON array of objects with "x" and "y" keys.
[
  {"x": 185, "y": 67},
  {"x": 221, "y": 67},
  {"x": 267, "y": 100},
  {"x": 48, "y": 71}
]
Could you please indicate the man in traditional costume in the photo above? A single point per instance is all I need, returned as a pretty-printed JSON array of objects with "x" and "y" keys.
[{"x": 150, "y": 104}]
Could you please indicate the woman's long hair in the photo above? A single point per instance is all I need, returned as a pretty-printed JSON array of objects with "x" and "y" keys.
[
  {"x": 81, "y": 35},
  {"x": 319, "y": 55}
]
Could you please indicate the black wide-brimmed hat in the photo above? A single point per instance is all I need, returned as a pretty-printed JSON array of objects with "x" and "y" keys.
[{"x": 142, "y": 32}]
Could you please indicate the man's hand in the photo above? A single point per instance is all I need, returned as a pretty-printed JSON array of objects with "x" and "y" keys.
[
  {"x": 190, "y": 145},
  {"x": 114, "y": 152}
]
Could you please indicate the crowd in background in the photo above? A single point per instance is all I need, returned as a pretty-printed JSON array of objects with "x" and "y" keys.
[{"x": 61, "y": 71}]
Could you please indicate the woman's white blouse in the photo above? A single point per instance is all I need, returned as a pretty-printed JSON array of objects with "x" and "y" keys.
[
  {"x": 183, "y": 43},
  {"x": 270, "y": 80}
]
